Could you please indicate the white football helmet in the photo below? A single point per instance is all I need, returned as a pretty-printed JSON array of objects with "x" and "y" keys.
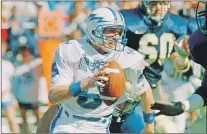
[{"x": 102, "y": 18}]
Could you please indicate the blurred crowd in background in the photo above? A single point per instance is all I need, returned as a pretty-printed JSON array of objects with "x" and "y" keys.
[
  {"x": 25, "y": 87},
  {"x": 20, "y": 19}
]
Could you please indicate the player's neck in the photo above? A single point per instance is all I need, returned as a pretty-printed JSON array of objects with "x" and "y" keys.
[{"x": 98, "y": 48}]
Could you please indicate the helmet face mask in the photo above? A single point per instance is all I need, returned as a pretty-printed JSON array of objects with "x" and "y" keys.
[
  {"x": 106, "y": 28},
  {"x": 200, "y": 15},
  {"x": 111, "y": 37},
  {"x": 156, "y": 10}
]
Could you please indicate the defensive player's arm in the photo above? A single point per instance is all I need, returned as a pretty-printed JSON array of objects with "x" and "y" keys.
[
  {"x": 197, "y": 100},
  {"x": 180, "y": 57}
]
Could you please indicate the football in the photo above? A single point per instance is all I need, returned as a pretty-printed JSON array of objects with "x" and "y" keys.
[{"x": 115, "y": 86}]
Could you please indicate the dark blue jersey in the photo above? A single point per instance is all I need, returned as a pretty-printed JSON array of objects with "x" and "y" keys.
[
  {"x": 191, "y": 28},
  {"x": 198, "y": 48},
  {"x": 155, "y": 43},
  {"x": 192, "y": 25}
]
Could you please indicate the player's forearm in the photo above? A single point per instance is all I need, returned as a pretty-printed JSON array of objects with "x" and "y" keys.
[
  {"x": 147, "y": 100},
  {"x": 61, "y": 93}
]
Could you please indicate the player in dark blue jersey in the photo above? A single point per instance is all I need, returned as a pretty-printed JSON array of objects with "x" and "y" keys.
[
  {"x": 179, "y": 86},
  {"x": 197, "y": 44},
  {"x": 154, "y": 36},
  {"x": 152, "y": 31}
]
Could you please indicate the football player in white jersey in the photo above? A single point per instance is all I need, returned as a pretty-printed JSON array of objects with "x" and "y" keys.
[{"x": 75, "y": 77}]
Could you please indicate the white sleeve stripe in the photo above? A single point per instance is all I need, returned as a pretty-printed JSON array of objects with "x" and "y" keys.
[
  {"x": 111, "y": 70},
  {"x": 107, "y": 97}
]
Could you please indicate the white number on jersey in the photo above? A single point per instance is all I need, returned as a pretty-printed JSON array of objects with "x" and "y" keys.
[{"x": 149, "y": 41}]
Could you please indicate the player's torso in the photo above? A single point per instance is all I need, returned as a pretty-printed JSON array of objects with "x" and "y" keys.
[
  {"x": 90, "y": 61},
  {"x": 156, "y": 44}
]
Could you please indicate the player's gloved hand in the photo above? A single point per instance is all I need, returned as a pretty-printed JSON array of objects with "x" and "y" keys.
[
  {"x": 98, "y": 79},
  {"x": 169, "y": 109}
]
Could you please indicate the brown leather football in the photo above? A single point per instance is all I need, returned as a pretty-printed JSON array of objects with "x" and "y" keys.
[{"x": 115, "y": 86}]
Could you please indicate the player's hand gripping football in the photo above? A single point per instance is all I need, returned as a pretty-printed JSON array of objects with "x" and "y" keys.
[
  {"x": 169, "y": 109},
  {"x": 98, "y": 79},
  {"x": 111, "y": 86}
]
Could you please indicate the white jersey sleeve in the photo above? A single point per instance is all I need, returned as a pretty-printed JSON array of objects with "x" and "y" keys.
[
  {"x": 133, "y": 65},
  {"x": 136, "y": 83},
  {"x": 62, "y": 69}
]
